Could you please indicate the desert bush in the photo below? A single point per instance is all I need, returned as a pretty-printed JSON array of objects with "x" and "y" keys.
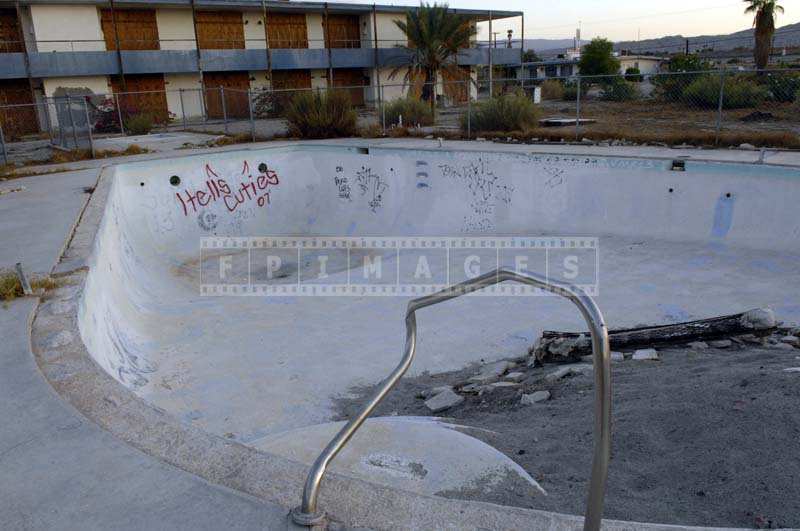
[
  {"x": 570, "y": 91},
  {"x": 634, "y": 75},
  {"x": 139, "y": 124},
  {"x": 322, "y": 115},
  {"x": 620, "y": 90},
  {"x": 509, "y": 112},
  {"x": 740, "y": 92},
  {"x": 784, "y": 86},
  {"x": 414, "y": 112},
  {"x": 552, "y": 89}
]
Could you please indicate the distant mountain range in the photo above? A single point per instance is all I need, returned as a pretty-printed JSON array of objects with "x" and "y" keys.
[{"x": 784, "y": 36}]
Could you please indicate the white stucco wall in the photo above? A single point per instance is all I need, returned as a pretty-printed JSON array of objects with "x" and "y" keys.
[
  {"x": 388, "y": 32},
  {"x": 319, "y": 79},
  {"x": 66, "y": 24},
  {"x": 175, "y": 29},
  {"x": 316, "y": 34},
  {"x": 192, "y": 102},
  {"x": 645, "y": 66},
  {"x": 254, "y": 30},
  {"x": 97, "y": 84}
]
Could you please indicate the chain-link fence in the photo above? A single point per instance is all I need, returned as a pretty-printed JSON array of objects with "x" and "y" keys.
[{"x": 709, "y": 107}]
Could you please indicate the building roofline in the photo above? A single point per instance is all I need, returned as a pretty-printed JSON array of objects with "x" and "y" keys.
[{"x": 272, "y": 5}]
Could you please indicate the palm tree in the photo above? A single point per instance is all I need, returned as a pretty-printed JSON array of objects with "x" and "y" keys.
[
  {"x": 434, "y": 36},
  {"x": 764, "y": 22}
]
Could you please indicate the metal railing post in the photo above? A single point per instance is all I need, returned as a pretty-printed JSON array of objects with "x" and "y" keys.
[
  {"x": 3, "y": 145},
  {"x": 308, "y": 515},
  {"x": 250, "y": 110},
  {"x": 72, "y": 121},
  {"x": 578, "y": 111},
  {"x": 721, "y": 106},
  {"x": 224, "y": 108},
  {"x": 88, "y": 125},
  {"x": 183, "y": 108},
  {"x": 119, "y": 114}
]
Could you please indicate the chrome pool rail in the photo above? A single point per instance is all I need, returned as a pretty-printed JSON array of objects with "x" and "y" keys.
[{"x": 307, "y": 513}]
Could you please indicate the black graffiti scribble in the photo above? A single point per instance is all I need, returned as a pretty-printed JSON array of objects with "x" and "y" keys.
[
  {"x": 342, "y": 184},
  {"x": 372, "y": 186},
  {"x": 486, "y": 190}
]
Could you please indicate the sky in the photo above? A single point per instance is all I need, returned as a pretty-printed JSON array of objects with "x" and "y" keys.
[{"x": 619, "y": 19}]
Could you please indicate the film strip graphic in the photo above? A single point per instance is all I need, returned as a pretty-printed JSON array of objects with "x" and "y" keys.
[{"x": 389, "y": 266}]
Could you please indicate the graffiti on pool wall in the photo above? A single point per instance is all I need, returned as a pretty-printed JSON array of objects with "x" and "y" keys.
[
  {"x": 342, "y": 184},
  {"x": 243, "y": 189},
  {"x": 372, "y": 186},
  {"x": 485, "y": 189}
]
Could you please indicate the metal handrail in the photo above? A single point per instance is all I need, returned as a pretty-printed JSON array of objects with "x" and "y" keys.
[{"x": 307, "y": 514}]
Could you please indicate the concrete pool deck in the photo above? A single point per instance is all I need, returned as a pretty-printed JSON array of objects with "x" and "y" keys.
[{"x": 229, "y": 463}]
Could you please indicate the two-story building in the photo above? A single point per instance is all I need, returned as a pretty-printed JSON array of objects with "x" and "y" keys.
[{"x": 166, "y": 51}]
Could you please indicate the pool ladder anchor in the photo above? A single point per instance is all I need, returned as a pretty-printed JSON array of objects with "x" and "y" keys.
[{"x": 308, "y": 514}]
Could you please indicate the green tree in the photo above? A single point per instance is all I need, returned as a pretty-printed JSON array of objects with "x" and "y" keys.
[
  {"x": 434, "y": 35},
  {"x": 765, "y": 11},
  {"x": 529, "y": 56},
  {"x": 597, "y": 59}
]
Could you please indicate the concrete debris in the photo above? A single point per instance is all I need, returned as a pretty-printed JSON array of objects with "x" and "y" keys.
[
  {"x": 515, "y": 376},
  {"x": 427, "y": 393},
  {"x": 647, "y": 354},
  {"x": 781, "y": 346},
  {"x": 491, "y": 372},
  {"x": 749, "y": 147},
  {"x": 535, "y": 398},
  {"x": 443, "y": 401},
  {"x": 792, "y": 369},
  {"x": 581, "y": 368},
  {"x": 721, "y": 343},
  {"x": 759, "y": 319},
  {"x": 617, "y": 356},
  {"x": 698, "y": 345},
  {"x": 558, "y": 374},
  {"x": 752, "y": 339},
  {"x": 497, "y": 385},
  {"x": 791, "y": 340},
  {"x": 471, "y": 388}
]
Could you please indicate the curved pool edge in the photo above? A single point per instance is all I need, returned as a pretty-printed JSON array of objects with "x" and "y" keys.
[{"x": 73, "y": 373}]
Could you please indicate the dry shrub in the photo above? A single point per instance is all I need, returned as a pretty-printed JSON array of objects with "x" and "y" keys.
[
  {"x": 322, "y": 115},
  {"x": 415, "y": 112},
  {"x": 552, "y": 89},
  {"x": 509, "y": 112}
]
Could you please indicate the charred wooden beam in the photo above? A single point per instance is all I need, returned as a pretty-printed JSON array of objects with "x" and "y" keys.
[{"x": 557, "y": 346}]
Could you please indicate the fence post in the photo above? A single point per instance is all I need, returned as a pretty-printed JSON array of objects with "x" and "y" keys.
[
  {"x": 383, "y": 108},
  {"x": 88, "y": 125},
  {"x": 469, "y": 113},
  {"x": 224, "y": 108},
  {"x": 250, "y": 109},
  {"x": 183, "y": 109},
  {"x": 719, "y": 110},
  {"x": 119, "y": 114},
  {"x": 578, "y": 111},
  {"x": 3, "y": 145},
  {"x": 72, "y": 121}
]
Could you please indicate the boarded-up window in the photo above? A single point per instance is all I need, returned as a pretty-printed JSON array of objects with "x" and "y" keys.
[
  {"x": 144, "y": 94},
  {"x": 220, "y": 30},
  {"x": 234, "y": 89},
  {"x": 137, "y": 29},
  {"x": 353, "y": 80},
  {"x": 10, "y": 33},
  {"x": 291, "y": 79},
  {"x": 287, "y": 30},
  {"x": 342, "y": 31},
  {"x": 20, "y": 119}
]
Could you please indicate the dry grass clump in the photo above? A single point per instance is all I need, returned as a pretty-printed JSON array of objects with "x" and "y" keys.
[{"x": 11, "y": 288}]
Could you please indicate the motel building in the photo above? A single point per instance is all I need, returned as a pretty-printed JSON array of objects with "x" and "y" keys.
[{"x": 171, "y": 56}]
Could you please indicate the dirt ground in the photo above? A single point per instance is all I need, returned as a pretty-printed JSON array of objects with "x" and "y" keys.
[{"x": 702, "y": 437}]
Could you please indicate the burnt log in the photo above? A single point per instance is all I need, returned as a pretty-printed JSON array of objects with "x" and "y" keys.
[{"x": 557, "y": 346}]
